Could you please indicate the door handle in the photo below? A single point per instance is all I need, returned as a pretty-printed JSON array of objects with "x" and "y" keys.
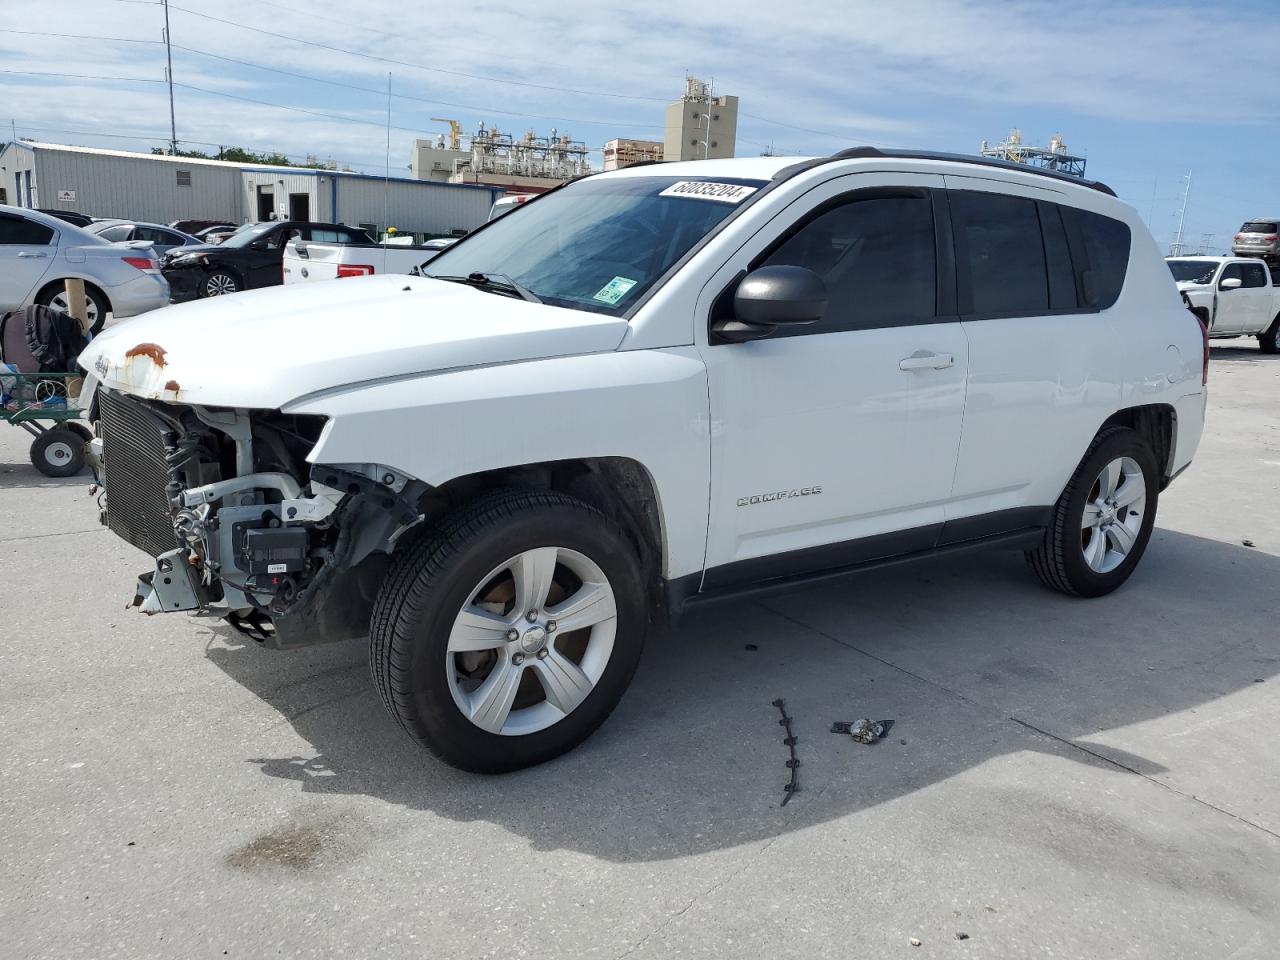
[
  {"x": 920, "y": 360},
  {"x": 25, "y": 255}
]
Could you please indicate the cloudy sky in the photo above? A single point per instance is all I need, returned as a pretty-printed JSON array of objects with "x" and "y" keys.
[{"x": 1147, "y": 90}]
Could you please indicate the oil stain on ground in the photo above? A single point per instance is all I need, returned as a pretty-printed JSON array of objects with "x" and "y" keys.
[{"x": 297, "y": 846}]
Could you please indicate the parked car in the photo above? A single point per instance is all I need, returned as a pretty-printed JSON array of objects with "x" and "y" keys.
[
  {"x": 162, "y": 239},
  {"x": 70, "y": 216},
  {"x": 651, "y": 389},
  {"x": 306, "y": 261},
  {"x": 508, "y": 203},
  {"x": 1232, "y": 297},
  {"x": 1258, "y": 238},
  {"x": 197, "y": 227},
  {"x": 216, "y": 234},
  {"x": 248, "y": 259},
  {"x": 39, "y": 253}
]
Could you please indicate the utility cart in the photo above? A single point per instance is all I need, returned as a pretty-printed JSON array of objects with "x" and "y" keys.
[{"x": 47, "y": 406}]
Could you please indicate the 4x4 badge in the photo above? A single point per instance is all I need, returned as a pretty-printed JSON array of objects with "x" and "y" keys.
[{"x": 778, "y": 495}]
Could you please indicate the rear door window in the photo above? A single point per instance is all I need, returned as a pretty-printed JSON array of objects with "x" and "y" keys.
[
  {"x": 1000, "y": 255},
  {"x": 1254, "y": 275},
  {"x": 20, "y": 231}
]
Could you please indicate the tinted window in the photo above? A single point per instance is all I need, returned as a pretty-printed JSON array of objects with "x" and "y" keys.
[
  {"x": 16, "y": 230},
  {"x": 877, "y": 257},
  {"x": 1260, "y": 226},
  {"x": 1000, "y": 254},
  {"x": 117, "y": 233},
  {"x": 1232, "y": 271},
  {"x": 1062, "y": 277},
  {"x": 1106, "y": 248},
  {"x": 1254, "y": 275}
]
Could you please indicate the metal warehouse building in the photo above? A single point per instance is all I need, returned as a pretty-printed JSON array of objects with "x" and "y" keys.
[{"x": 161, "y": 189}]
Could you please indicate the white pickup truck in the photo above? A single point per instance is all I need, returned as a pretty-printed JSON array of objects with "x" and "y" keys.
[
  {"x": 306, "y": 260},
  {"x": 1233, "y": 297}
]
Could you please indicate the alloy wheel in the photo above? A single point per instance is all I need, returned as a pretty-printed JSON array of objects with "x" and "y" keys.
[
  {"x": 1113, "y": 514},
  {"x": 63, "y": 305},
  {"x": 532, "y": 641},
  {"x": 219, "y": 285}
]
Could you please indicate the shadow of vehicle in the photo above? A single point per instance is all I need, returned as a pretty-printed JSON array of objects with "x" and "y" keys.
[
  {"x": 22, "y": 475},
  {"x": 1240, "y": 350},
  {"x": 970, "y": 657}
]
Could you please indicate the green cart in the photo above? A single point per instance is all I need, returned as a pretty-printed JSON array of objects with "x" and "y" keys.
[{"x": 47, "y": 406}]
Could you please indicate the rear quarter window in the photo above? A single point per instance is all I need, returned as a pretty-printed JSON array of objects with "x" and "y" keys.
[{"x": 1105, "y": 243}]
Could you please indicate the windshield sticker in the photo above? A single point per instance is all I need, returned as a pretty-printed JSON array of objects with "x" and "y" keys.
[
  {"x": 699, "y": 190},
  {"x": 614, "y": 290}
]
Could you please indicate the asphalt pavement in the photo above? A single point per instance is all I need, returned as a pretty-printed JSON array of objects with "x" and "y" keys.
[{"x": 1064, "y": 778}]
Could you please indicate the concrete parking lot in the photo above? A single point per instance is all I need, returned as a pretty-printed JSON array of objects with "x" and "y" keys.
[{"x": 1064, "y": 778}]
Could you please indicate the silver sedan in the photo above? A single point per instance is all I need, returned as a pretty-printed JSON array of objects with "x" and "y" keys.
[
  {"x": 39, "y": 253},
  {"x": 162, "y": 238}
]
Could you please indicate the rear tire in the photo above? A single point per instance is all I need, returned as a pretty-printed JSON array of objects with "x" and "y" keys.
[
  {"x": 1101, "y": 524},
  {"x": 58, "y": 452},
  {"x": 465, "y": 649},
  {"x": 96, "y": 305},
  {"x": 1269, "y": 342}
]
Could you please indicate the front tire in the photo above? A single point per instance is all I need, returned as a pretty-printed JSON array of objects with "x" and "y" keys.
[
  {"x": 220, "y": 283},
  {"x": 1101, "y": 524},
  {"x": 509, "y": 634}
]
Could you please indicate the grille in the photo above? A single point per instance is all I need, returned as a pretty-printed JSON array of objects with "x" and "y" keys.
[{"x": 133, "y": 455}]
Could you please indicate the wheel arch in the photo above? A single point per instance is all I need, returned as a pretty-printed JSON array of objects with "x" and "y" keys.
[
  {"x": 1157, "y": 423},
  {"x": 60, "y": 284},
  {"x": 621, "y": 488}
]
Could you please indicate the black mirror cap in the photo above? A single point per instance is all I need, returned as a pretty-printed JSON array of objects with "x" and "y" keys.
[{"x": 781, "y": 294}]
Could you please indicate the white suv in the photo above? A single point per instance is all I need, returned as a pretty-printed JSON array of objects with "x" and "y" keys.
[{"x": 642, "y": 391}]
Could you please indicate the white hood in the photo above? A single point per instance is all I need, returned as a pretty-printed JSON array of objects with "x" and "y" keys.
[{"x": 263, "y": 348}]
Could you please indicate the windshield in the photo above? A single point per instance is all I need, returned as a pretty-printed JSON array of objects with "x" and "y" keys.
[
  {"x": 1259, "y": 226},
  {"x": 597, "y": 244},
  {"x": 247, "y": 234},
  {"x": 1193, "y": 271}
]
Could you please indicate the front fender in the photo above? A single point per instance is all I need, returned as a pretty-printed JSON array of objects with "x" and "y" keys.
[{"x": 645, "y": 405}]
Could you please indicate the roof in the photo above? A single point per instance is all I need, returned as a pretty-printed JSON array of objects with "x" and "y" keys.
[
  {"x": 162, "y": 157},
  {"x": 770, "y": 168}
]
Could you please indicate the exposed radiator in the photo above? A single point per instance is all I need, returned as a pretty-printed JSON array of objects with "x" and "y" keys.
[{"x": 136, "y": 474}]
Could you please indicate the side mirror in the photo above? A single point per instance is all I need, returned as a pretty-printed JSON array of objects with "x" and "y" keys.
[
  {"x": 771, "y": 297},
  {"x": 1231, "y": 283}
]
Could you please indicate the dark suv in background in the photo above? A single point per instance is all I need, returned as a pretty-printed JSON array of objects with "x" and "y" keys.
[{"x": 250, "y": 258}]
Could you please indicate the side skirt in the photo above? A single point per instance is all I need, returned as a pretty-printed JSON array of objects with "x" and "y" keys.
[{"x": 726, "y": 583}]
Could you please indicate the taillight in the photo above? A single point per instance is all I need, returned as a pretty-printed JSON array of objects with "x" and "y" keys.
[
  {"x": 142, "y": 263},
  {"x": 1238, "y": 236},
  {"x": 1204, "y": 338},
  {"x": 1270, "y": 237},
  {"x": 355, "y": 269}
]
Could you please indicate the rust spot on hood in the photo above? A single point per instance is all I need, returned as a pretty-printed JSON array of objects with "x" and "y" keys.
[
  {"x": 172, "y": 386},
  {"x": 152, "y": 350}
]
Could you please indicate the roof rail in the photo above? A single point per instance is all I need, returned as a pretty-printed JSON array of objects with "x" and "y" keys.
[{"x": 862, "y": 153}]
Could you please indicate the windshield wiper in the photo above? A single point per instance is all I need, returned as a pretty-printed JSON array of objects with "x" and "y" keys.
[{"x": 491, "y": 281}]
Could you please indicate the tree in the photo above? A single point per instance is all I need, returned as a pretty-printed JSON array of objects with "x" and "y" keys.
[{"x": 241, "y": 155}]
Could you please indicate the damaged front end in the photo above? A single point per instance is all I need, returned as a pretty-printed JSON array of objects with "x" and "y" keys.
[{"x": 242, "y": 526}]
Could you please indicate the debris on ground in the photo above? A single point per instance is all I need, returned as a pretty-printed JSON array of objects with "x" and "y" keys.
[
  {"x": 961, "y": 935},
  {"x": 914, "y": 941},
  {"x": 1247, "y": 543},
  {"x": 864, "y": 731},
  {"x": 750, "y": 646},
  {"x": 791, "y": 787}
]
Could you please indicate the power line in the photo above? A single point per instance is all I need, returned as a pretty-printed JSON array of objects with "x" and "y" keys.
[
  {"x": 78, "y": 36},
  {"x": 406, "y": 96},
  {"x": 417, "y": 66},
  {"x": 78, "y": 76}
]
